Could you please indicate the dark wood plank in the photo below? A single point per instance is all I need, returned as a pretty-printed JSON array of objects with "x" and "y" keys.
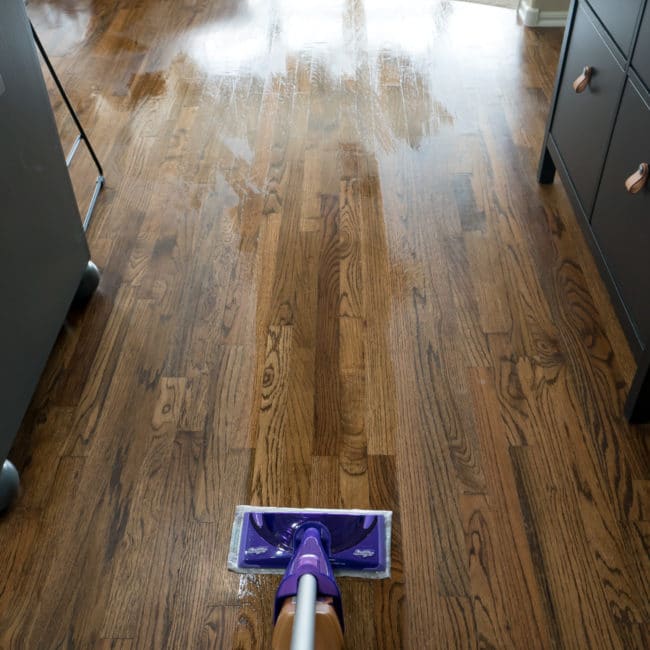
[
  {"x": 114, "y": 644},
  {"x": 390, "y": 609},
  {"x": 496, "y": 533},
  {"x": 577, "y": 597},
  {"x": 219, "y": 627}
]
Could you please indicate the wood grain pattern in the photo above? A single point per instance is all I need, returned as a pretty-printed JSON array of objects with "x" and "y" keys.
[
  {"x": 114, "y": 644},
  {"x": 330, "y": 279}
]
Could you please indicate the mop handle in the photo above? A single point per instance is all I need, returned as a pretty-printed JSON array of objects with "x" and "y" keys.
[{"x": 304, "y": 622}]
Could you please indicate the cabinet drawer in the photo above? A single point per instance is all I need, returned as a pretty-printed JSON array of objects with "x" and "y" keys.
[
  {"x": 619, "y": 18},
  {"x": 582, "y": 121},
  {"x": 641, "y": 61},
  {"x": 621, "y": 220}
]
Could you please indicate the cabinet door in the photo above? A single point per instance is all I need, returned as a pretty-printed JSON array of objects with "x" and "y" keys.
[
  {"x": 641, "y": 61},
  {"x": 621, "y": 220},
  {"x": 619, "y": 18},
  {"x": 583, "y": 121}
]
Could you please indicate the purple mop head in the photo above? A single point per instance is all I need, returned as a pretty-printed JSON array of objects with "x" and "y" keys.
[{"x": 357, "y": 542}]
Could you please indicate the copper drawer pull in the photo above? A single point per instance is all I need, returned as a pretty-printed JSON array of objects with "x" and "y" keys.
[
  {"x": 638, "y": 180},
  {"x": 581, "y": 83}
]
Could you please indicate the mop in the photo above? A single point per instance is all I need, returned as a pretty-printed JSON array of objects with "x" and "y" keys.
[{"x": 310, "y": 547}]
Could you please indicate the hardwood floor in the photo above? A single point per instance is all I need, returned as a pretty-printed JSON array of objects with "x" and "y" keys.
[{"x": 329, "y": 279}]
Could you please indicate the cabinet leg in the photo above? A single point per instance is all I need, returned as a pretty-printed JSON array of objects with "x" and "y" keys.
[
  {"x": 546, "y": 171},
  {"x": 88, "y": 285},
  {"x": 9, "y": 484},
  {"x": 637, "y": 407}
]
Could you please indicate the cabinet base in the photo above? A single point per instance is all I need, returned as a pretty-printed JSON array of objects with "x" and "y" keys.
[
  {"x": 87, "y": 286},
  {"x": 9, "y": 484},
  {"x": 546, "y": 170},
  {"x": 637, "y": 406}
]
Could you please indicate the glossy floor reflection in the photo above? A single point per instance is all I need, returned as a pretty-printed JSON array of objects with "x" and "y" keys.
[{"x": 330, "y": 279}]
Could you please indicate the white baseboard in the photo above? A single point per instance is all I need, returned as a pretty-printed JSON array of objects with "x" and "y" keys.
[{"x": 533, "y": 17}]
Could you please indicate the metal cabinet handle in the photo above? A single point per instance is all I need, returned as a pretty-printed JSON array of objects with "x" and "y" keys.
[
  {"x": 635, "y": 183},
  {"x": 581, "y": 83}
]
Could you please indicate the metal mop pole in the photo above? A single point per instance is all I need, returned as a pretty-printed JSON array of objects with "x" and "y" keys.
[{"x": 304, "y": 622}]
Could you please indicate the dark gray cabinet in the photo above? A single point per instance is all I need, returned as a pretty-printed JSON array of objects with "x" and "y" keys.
[
  {"x": 43, "y": 253},
  {"x": 598, "y": 137},
  {"x": 619, "y": 18},
  {"x": 621, "y": 220},
  {"x": 641, "y": 60},
  {"x": 583, "y": 120}
]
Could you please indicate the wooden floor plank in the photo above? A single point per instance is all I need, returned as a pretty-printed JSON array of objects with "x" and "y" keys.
[
  {"x": 499, "y": 522},
  {"x": 578, "y": 602}
]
